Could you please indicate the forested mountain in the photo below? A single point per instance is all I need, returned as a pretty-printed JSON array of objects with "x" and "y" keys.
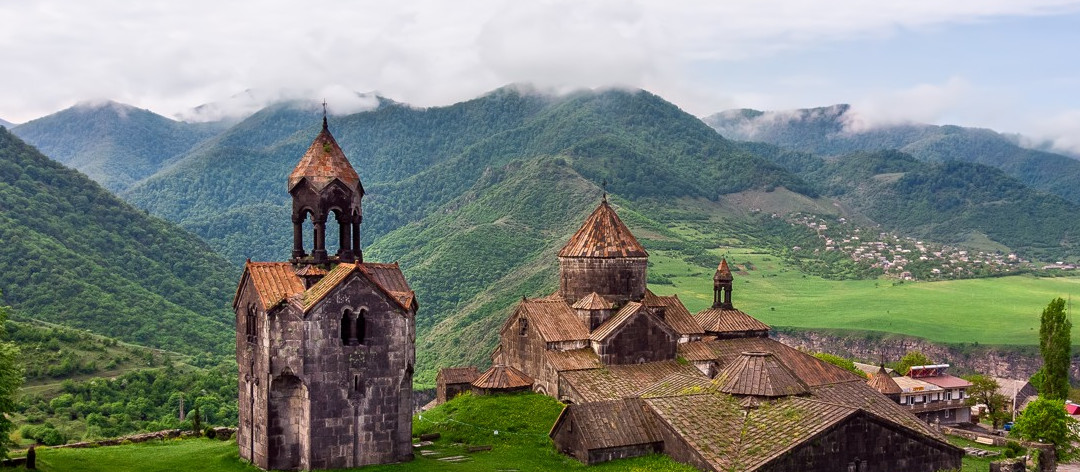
[
  {"x": 834, "y": 131},
  {"x": 474, "y": 199},
  {"x": 231, "y": 190},
  {"x": 112, "y": 143},
  {"x": 949, "y": 202},
  {"x": 6, "y": 124},
  {"x": 74, "y": 254}
]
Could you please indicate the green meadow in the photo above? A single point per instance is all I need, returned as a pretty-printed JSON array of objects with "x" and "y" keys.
[
  {"x": 515, "y": 427},
  {"x": 989, "y": 311}
]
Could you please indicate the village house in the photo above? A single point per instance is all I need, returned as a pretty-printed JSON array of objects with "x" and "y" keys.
[
  {"x": 929, "y": 393},
  {"x": 641, "y": 374},
  {"x": 325, "y": 344}
]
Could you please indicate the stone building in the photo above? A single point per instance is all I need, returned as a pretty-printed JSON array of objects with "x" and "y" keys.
[
  {"x": 325, "y": 343},
  {"x": 640, "y": 374},
  {"x": 452, "y": 381}
]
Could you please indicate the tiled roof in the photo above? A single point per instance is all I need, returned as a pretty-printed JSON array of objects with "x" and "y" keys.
[
  {"x": 553, "y": 319},
  {"x": 311, "y": 271},
  {"x": 883, "y": 382},
  {"x": 323, "y": 162},
  {"x": 728, "y": 320},
  {"x": 860, "y": 395},
  {"x": 622, "y": 381},
  {"x": 500, "y": 377},
  {"x": 387, "y": 277},
  {"x": 947, "y": 381},
  {"x": 608, "y": 327},
  {"x": 603, "y": 235},
  {"x": 593, "y": 301},
  {"x": 696, "y": 351},
  {"x": 675, "y": 313},
  {"x": 869, "y": 369},
  {"x": 457, "y": 375},
  {"x": 807, "y": 368},
  {"x": 614, "y": 423},
  {"x": 731, "y": 437},
  {"x": 273, "y": 281},
  {"x": 759, "y": 374},
  {"x": 679, "y": 384},
  {"x": 723, "y": 272},
  {"x": 575, "y": 359}
]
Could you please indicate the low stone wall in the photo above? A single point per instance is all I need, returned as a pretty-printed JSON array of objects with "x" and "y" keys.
[{"x": 220, "y": 432}]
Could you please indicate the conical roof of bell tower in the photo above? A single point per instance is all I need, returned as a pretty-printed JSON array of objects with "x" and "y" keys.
[
  {"x": 603, "y": 235},
  {"x": 323, "y": 162}
]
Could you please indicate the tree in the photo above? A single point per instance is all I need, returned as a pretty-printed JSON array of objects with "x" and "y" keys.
[
  {"x": 1045, "y": 421},
  {"x": 846, "y": 364},
  {"x": 984, "y": 390},
  {"x": 1055, "y": 338},
  {"x": 11, "y": 377},
  {"x": 910, "y": 359}
]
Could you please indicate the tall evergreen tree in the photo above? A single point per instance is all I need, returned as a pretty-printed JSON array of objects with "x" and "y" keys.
[
  {"x": 1055, "y": 344},
  {"x": 11, "y": 377}
]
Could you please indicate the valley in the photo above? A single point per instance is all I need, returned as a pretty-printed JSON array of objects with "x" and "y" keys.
[{"x": 473, "y": 200}]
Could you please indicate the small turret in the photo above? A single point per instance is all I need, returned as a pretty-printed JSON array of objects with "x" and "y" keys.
[{"x": 722, "y": 283}]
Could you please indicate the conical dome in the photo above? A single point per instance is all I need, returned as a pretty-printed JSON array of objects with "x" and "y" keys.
[
  {"x": 723, "y": 272},
  {"x": 323, "y": 162},
  {"x": 603, "y": 235},
  {"x": 884, "y": 383}
]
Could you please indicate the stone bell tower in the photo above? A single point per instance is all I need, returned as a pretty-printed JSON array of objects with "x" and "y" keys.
[
  {"x": 325, "y": 344},
  {"x": 324, "y": 184}
]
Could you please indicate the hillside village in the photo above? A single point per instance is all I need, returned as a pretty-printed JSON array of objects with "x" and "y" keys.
[{"x": 903, "y": 257}]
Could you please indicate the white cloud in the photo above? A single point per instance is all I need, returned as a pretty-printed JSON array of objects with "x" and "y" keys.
[
  {"x": 924, "y": 103},
  {"x": 1059, "y": 133},
  {"x": 168, "y": 56}
]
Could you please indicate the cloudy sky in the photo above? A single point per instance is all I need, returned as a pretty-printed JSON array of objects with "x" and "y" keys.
[{"x": 1009, "y": 65}]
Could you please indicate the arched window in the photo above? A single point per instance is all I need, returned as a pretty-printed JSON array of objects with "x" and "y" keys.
[
  {"x": 523, "y": 326},
  {"x": 249, "y": 324},
  {"x": 361, "y": 327},
  {"x": 346, "y": 327}
]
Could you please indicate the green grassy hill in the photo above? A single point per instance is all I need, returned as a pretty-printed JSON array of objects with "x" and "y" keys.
[
  {"x": 112, "y": 143},
  {"x": 74, "y": 254}
]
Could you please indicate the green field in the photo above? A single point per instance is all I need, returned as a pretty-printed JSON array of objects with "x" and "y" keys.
[
  {"x": 522, "y": 422},
  {"x": 989, "y": 311}
]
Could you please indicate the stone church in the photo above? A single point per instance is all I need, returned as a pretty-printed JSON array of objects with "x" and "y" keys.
[
  {"x": 325, "y": 344},
  {"x": 640, "y": 374}
]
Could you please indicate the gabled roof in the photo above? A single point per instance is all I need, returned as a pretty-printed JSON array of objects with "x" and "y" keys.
[
  {"x": 947, "y": 381},
  {"x": 387, "y": 277},
  {"x": 759, "y": 374},
  {"x": 608, "y": 327},
  {"x": 622, "y": 381},
  {"x": 273, "y": 281},
  {"x": 614, "y": 423},
  {"x": 883, "y": 382},
  {"x": 679, "y": 384},
  {"x": 458, "y": 375},
  {"x": 696, "y": 351},
  {"x": 603, "y": 235},
  {"x": 502, "y": 377},
  {"x": 809, "y": 369},
  {"x": 574, "y": 359},
  {"x": 324, "y": 162},
  {"x": 311, "y": 271},
  {"x": 552, "y": 318},
  {"x": 728, "y": 320},
  {"x": 593, "y": 301},
  {"x": 675, "y": 313},
  {"x": 729, "y": 436}
]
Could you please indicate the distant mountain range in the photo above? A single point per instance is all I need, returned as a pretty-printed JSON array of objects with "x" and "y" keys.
[
  {"x": 475, "y": 198},
  {"x": 112, "y": 143},
  {"x": 836, "y": 130},
  {"x": 74, "y": 254}
]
